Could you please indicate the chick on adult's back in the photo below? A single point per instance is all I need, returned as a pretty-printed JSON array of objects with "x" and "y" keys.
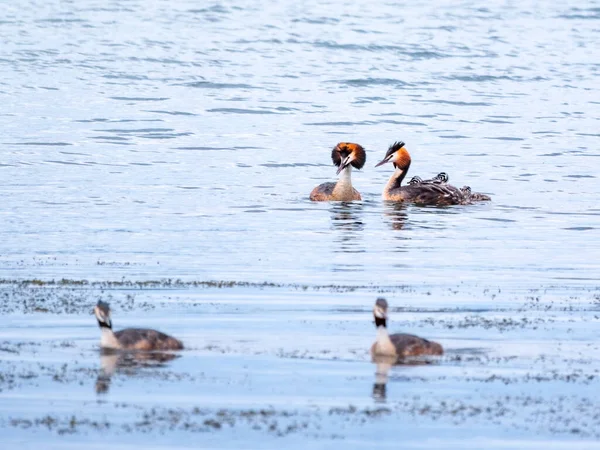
[{"x": 345, "y": 155}]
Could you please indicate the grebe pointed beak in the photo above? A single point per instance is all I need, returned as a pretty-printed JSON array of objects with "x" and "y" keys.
[
  {"x": 383, "y": 161},
  {"x": 345, "y": 163}
]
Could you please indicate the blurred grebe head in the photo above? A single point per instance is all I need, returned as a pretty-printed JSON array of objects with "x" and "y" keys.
[
  {"x": 346, "y": 153},
  {"x": 398, "y": 155}
]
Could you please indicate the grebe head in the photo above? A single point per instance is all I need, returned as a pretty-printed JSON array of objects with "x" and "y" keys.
[
  {"x": 346, "y": 153},
  {"x": 398, "y": 155},
  {"x": 102, "y": 312},
  {"x": 380, "y": 312}
]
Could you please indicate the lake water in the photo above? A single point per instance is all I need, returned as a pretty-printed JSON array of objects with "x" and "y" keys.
[{"x": 152, "y": 141}]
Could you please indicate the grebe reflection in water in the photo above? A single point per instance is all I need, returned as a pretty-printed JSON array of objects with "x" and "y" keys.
[{"x": 128, "y": 363}]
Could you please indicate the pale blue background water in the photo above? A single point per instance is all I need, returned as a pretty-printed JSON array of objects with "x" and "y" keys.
[
  {"x": 149, "y": 140},
  {"x": 184, "y": 139}
]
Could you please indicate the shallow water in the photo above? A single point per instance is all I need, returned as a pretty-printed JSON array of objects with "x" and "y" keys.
[{"x": 152, "y": 141}]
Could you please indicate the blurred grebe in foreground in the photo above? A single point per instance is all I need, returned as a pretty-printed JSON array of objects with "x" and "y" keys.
[
  {"x": 140, "y": 339},
  {"x": 398, "y": 345},
  {"x": 344, "y": 156},
  {"x": 435, "y": 191}
]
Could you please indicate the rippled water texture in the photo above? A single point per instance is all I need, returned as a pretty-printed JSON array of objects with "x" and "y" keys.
[
  {"x": 144, "y": 141},
  {"x": 184, "y": 140}
]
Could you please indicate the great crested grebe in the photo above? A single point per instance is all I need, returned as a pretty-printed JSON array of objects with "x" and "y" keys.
[
  {"x": 344, "y": 156},
  {"x": 398, "y": 345},
  {"x": 140, "y": 339},
  {"x": 435, "y": 191}
]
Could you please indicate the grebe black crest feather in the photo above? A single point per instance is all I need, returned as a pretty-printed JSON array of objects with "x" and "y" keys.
[{"x": 394, "y": 148}]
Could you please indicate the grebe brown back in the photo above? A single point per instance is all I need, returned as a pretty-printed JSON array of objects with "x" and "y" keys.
[
  {"x": 435, "y": 191},
  {"x": 139, "y": 339},
  {"x": 345, "y": 155},
  {"x": 398, "y": 345}
]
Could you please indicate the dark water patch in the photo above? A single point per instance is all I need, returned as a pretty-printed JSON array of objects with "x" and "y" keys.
[
  {"x": 258, "y": 41},
  {"x": 111, "y": 138},
  {"x": 454, "y": 136},
  {"x": 48, "y": 144},
  {"x": 591, "y": 212},
  {"x": 171, "y": 113},
  {"x": 211, "y": 85},
  {"x": 340, "y": 124},
  {"x": 371, "y": 99},
  {"x": 61, "y": 20},
  {"x": 581, "y": 14},
  {"x": 579, "y": 176},
  {"x": 242, "y": 111},
  {"x": 358, "y": 82},
  {"x": 140, "y": 99},
  {"x": 454, "y": 103},
  {"x": 165, "y": 135},
  {"x": 479, "y": 78},
  {"x": 505, "y": 138},
  {"x": 495, "y": 121},
  {"x": 579, "y": 228},
  {"x": 497, "y": 219},
  {"x": 75, "y": 153},
  {"x": 317, "y": 20},
  {"x": 92, "y": 120},
  {"x": 400, "y": 122},
  {"x": 588, "y": 134},
  {"x": 135, "y": 130},
  {"x": 162, "y": 61},
  {"x": 125, "y": 76},
  {"x": 216, "y": 8},
  {"x": 68, "y": 163},
  {"x": 415, "y": 54}
]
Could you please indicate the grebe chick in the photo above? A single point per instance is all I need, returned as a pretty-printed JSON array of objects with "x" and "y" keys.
[
  {"x": 131, "y": 338},
  {"x": 440, "y": 178},
  {"x": 436, "y": 191},
  {"x": 344, "y": 156},
  {"x": 398, "y": 345}
]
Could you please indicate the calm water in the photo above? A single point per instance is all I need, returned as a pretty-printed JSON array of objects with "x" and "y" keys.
[{"x": 153, "y": 140}]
